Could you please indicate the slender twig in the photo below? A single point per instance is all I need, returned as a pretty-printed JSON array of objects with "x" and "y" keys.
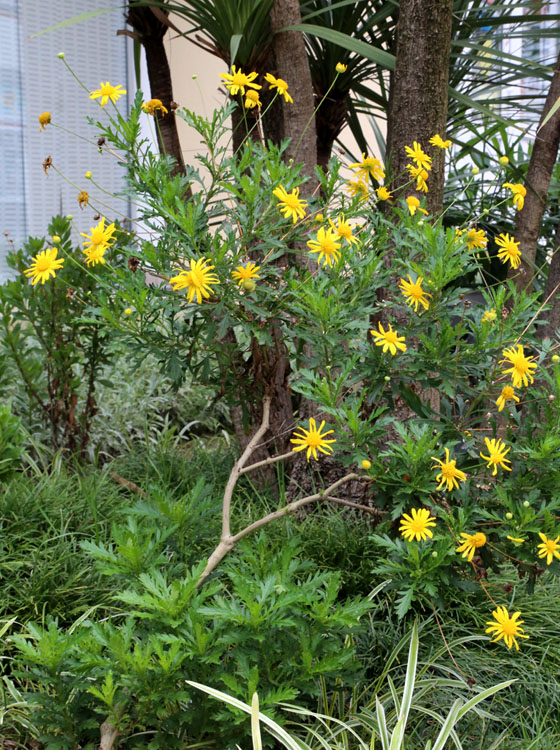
[
  {"x": 350, "y": 504},
  {"x": 267, "y": 462}
]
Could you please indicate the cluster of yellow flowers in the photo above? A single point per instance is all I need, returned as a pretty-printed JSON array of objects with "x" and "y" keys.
[
  {"x": 239, "y": 82},
  {"x": 417, "y": 526}
]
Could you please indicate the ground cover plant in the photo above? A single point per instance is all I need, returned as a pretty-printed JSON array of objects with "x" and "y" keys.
[{"x": 419, "y": 382}]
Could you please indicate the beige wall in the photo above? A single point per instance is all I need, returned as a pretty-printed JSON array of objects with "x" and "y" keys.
[{"x": 203, "y": 94}]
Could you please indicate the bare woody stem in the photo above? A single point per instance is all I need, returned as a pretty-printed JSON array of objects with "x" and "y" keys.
[{"x": 227, "y": 541}]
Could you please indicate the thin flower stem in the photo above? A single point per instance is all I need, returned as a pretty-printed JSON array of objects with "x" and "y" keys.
[
  {"x": 308, "y": 123},
  {"x": 85, "y": 88}
]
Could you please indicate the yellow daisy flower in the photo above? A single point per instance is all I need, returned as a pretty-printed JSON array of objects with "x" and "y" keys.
[
  {"x": 497, "y": 452},
  {"x": 509, "y": 250},
  {"x": 358, "y": 188},
  {"x": 96, "y": 255},
  {"x": 197, "y": 280},
  {"x": 326, "y": 246},
  {"x": 438, "y": 141},
  {"x": 471, "y": 544},
  {"x": 44, "y": 265},
  {"x": 475, "y": 238},
  {"x": 291, "y": 205},
  {"x": 549, "y": 548},
  {"x": 369, "y": 167},
  {"x": 414, "y": 293},
  {"x": 449, "y": 473},
  {"x": 245, "y": 273},
  {"x": 312, "y": 439},
  {"x": 417, "y": 525},
  {"x": 106, "y": 91},
  {"x": 343, "y": 229},
  {"x": 389, "y": 339},
  {"x": 280, "y": 85},
  {"x": 101, "y": 236},
  {"x": 418, "y": 156},
  {"x": 507, "y": 394},
  {"x": 506, "y": 627},
  {"x": 521, "y": 366},
  {"x": 237, "y": 81}
]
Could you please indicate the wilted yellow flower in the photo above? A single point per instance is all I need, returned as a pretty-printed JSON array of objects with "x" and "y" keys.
[
  {"x": 252, "y": 99},
  {"x": 291, "y": 205},
  {"x": 280, "y": 85},
  {"x": 414, "y": 205},
  {"x": 489, "y": 316},
  {"x": 106, "y": 92},
  {"x": 519, "y": 193},
  {"x": 237, "y": 81},
  {"x": 449, "y": 473},
  {"x": 383, "y": 194},
  {"x": 43, "y": 266},
  {"x": 151, "y": 106},
  {"x": 497, "y": 452},
  {"x": 506, "y": 627},
  {"x": 83, "y": 198},
  {"x": 197, "y": 280},
  {"x": 471, "y": 544},
  {"x": 507, "y": 394},
  {"x": 389, "y": 339},
  {"x": 417, "y": 525},
  {"x": 44, "y": 120},
  {"x": 312, "y": 439},
  {"x": 420, "y": 175}
]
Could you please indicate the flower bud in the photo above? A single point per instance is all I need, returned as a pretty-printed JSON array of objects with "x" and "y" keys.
[
  {"x": 366, "y": 464},
  {"x": 434, "y": 554},
  {"x": 387, "y": 379},
  {"x": 194, "y": 76},
  {"x": 504, "y": 161},
  {"x": 509, "y": 516},
  {"x": 88, "y": 175},
  {"x": 69, "y": 217},
  {"x": 55, "y": 239},
  {"x": 475, "y": 170},
  {"x": 555, "y": 358},
  {"x": 421, "y": 223},
  {"x": 61, "y": 55},
  {"x": 341, "y": 68},
  {"x": 128, "y": 311},
  {"x": 526, "y": 504},
  {"x": 249, "y": 285}
]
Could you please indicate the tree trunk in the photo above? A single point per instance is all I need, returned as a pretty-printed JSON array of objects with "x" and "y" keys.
[
  {"x": 151, "y": 31},
  {"x": 420, "y": 90},
  {"x": 528, "y": 220},
  {"x": 297, "y": 120},
  {"x": 551, "y": 290}
]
